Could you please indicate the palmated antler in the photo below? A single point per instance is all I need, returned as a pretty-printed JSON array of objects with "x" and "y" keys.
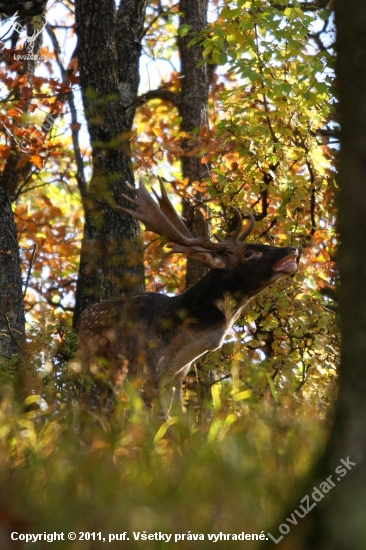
[{"x": 163, "y": 219}]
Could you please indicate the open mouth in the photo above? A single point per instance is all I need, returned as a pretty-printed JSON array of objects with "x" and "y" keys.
[{"x": 288, "y": 264}]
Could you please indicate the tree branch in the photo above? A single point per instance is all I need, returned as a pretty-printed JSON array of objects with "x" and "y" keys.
[
  {"x": 80, "y": 175},
  {"x": 160, "y": 93}
]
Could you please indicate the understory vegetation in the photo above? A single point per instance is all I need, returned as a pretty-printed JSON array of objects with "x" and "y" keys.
[{"x": 259, "y": 410}]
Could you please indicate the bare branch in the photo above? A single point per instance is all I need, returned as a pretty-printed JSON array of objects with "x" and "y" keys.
[
  {"x": 29, "y": 269},
  {"x": 80, "y": 176},
  {"x": 11, "y": 331}
]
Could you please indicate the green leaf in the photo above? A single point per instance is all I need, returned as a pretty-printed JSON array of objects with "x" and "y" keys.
[
  {"x": 222, "y": 58},
  {"x": 183, "y": 30}
]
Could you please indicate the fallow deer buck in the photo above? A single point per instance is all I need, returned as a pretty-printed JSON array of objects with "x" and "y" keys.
[{"x": 156, "y": 337}]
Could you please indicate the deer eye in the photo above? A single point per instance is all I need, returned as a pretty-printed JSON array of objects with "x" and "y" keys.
[{"x": 252, "y": 254}]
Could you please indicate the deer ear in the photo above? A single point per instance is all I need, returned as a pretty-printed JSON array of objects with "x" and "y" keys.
[
  {"x": 204, "y": 257},
  {"x": 207, "y": 258}
]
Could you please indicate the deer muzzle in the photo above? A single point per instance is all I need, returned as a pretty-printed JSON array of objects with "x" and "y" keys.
[{"x": 289, "y": 263}]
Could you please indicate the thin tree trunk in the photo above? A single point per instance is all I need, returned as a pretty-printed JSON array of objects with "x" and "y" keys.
[
  {"x": 111, "y": 259},
  {"x": 193, "y": 106},
  {"x": 12, "y": 322},
  {"x": 11, "y": 297}
]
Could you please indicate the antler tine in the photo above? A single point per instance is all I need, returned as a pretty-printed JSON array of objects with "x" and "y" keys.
[
  {"x": 250, "y": 227},
  {"x": 203, "y": 240},
  {"x": 152, "y": 216},
  {"x": 165, "y": 221},
  {"x": 169, "y": 210},
  {"x": 238, "y": 227}
]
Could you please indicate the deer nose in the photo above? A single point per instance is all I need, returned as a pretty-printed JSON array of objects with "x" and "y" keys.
[{"x": 296, "y": 252}]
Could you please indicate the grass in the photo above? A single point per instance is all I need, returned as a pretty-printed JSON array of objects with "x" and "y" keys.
[{"x": 64, "y": 468}]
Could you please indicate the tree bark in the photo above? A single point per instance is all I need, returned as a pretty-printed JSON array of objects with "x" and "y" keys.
[
  {"x": 193, "y": 106},
  {"x": 130, "y": 29},
  {"x": 11, "y": 296},
  {"x": 109, "y": 51},
  {"x": 343, "y": 517},
  {"x": 338, "y": 521}
]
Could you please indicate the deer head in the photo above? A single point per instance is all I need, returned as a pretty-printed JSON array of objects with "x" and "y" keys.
[{"x": 155, "y": 336}]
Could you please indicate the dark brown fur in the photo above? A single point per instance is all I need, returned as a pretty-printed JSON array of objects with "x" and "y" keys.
[{"x": 156, "y": 337}]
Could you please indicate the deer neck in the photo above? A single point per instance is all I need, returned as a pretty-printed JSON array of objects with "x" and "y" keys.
[{"x": 215, "y": 299}]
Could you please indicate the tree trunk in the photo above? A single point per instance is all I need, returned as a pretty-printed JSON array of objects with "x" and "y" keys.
[
  {"x": 111, "y": 258},
  {"x": 11, "y": 297},
  {"x": 338, "y": 522},
  {"x": 193, "y": 108},
  {"x": 12, "y": 322},
  {"x": 344, "y": 516}
]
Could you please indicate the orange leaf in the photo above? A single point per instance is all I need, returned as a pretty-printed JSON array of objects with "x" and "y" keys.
[
  {"x": 37, "y": 160},
  {"x": 73, "y": 79},
  {"x": 27, "y": 93},
  {"x": 22, "y": 161},
  {"x": 5, "y": 151},
  {"x": 73, "y": 65},
  {"x": 14, "y": 112},
  {"x": 15, "y": 66}
]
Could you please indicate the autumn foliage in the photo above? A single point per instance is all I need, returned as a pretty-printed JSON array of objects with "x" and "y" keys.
[{"x": 270, "y": 147}]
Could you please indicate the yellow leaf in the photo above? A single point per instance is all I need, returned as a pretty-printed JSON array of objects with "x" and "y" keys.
[{"x": 243, "y": 395}]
